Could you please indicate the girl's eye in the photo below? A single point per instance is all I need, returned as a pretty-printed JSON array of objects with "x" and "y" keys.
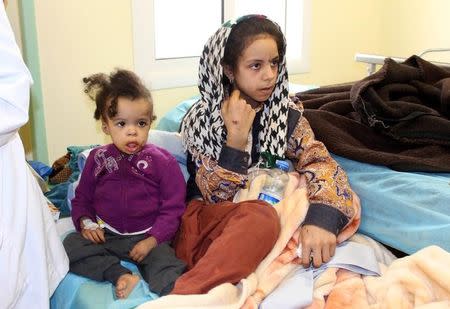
[
  {"x": 142, "y": 123},
  {"x": 275, "y": 63},
  {"x": 121, "y": 124},
  {"x": 255, "y": 66}
]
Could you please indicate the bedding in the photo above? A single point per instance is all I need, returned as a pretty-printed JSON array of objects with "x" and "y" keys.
[
  {"x": 404, "y": 210},
  {"x": 397, "y": 117}
]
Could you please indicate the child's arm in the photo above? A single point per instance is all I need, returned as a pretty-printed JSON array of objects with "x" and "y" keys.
[
  {"x": 329, "y": 194},
  {"x": 220, "y": 180},
  {"x": 82, "y": 204},
  {"x": 173, "y": 194},
  {"x": 329, "y": 191},
  {"x": 91, "y": 230},
  {"x": 142, "y": 248}
]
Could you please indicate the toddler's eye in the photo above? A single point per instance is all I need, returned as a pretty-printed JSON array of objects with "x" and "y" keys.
[
  {"x": 142, "y": 123},
  {"x": 121, "y": 124}
]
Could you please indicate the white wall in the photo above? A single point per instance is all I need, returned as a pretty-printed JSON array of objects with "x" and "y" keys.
[
  {"x": 411, "y": 26},
  {"x": 339, "y": 30}
]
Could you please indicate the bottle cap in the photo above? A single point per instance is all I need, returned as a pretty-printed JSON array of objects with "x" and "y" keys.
[{"x": 282, "y": 165}]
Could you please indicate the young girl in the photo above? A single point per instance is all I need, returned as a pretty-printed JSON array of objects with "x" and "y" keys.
[
  {"x": 245, "y": 111},
  {"x": 131, "y": 194}
]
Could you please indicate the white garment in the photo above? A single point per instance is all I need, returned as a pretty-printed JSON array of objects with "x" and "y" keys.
[{"x": 32, "y": 258}]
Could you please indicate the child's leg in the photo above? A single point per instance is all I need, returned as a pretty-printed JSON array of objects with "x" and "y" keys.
[
  {"x": 91, "y": 260},
  {"x": 161, "y": 268},
  {"x": 120, "y": 246}
]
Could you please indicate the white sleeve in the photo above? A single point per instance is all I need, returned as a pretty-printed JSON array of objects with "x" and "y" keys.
[{"x": 15, "y": 81}]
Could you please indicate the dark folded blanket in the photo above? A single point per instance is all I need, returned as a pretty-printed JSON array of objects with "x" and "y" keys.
[{"x": 397, "y": 117}]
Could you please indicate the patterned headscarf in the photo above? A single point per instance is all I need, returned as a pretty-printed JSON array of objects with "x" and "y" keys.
[{"x": 203, "y": 129}]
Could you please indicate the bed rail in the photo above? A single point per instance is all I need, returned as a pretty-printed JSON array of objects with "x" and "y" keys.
[{"x": 374, "y": 60}]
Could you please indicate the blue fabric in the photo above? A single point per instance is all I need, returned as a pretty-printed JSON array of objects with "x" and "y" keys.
[
  {"x": 73, "y": 162},
  {"x": 404, "y": 210},
  {"x": 171, "y": 121},
  {"x": 76, "y": 292},
  {"x": 58, "y": 193},
  {"x": 42, "y": 169}
]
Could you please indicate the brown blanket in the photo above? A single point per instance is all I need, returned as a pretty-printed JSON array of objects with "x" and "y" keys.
[{"x": 398, "y": 117}]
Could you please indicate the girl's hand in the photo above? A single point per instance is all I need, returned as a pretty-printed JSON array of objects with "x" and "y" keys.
[
  {"x": 97, "y": 236},
  {"x": 238, "y": 118},
  {"x": 317, "y": 243},
  {"x": 142, "y": 248}
]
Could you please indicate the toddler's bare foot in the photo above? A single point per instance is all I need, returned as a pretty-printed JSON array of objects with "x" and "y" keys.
[{"x": 125, "y": 284}]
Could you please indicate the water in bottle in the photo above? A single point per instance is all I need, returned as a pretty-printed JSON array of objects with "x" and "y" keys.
[{"x": 275, "y": 183}]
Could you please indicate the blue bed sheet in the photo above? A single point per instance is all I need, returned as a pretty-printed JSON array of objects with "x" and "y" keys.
[{"x": 404, "y": 210}]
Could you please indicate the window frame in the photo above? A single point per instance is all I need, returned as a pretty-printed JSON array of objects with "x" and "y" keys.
[{"x": 182, "y": 72}]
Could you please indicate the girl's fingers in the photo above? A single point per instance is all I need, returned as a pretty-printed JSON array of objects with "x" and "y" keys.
[
  {"x": 91, "y": 238},
  {"x": 326, "y": 254},
  {"x": 133, "y": 253},
  {"x": 317, "y": 256},
  {"x": 306, "y": 254},
  {"x": 224, "y": 108},
  {"x": 95, "y": 236},
  {"x": 332, "y": 250},
  {"x": 235, "y": 95},
  {"x": 101, "y": 235}
]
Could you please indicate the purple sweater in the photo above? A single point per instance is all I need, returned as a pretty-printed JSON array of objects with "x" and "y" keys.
[{"x": 132, "y": 192}]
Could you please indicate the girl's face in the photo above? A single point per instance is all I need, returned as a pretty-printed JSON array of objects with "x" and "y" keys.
[
  {"x": 256, "y": 70},
  {"x": 129, "y": 128}
]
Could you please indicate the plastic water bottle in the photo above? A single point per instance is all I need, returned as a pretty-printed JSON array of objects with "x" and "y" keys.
[{"x": 275, "y": 183}]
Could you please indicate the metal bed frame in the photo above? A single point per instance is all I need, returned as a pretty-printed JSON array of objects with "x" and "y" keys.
[{"x": 374, "y": 60}]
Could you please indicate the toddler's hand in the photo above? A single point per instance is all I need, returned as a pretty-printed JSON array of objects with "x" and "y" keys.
[
  {"x": 97, "y": 236},
  {"x": 91, "y": 231},
  {"x": 238, "y": 118},
  {"x": 142, "y": 248}
]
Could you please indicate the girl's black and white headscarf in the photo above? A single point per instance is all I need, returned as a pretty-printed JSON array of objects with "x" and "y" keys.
[{"x": 203, "y": 129}]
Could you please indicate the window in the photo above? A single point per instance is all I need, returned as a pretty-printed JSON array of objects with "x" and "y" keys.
[{"x": 169, "y": 35}]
